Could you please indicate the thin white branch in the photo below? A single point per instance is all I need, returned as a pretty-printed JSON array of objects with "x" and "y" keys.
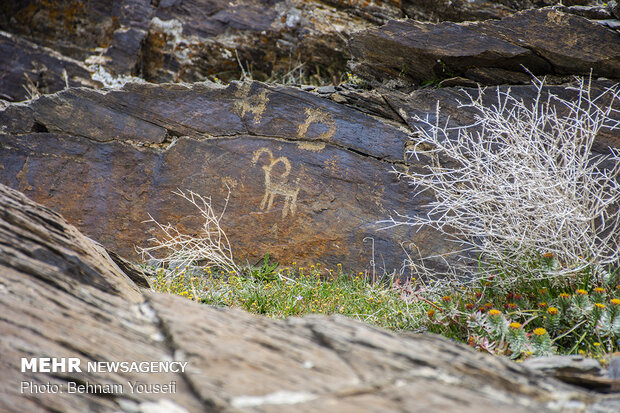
[{"x": 210, "y": 248}]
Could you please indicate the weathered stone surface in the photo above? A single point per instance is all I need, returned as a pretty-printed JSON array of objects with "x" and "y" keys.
[
  {"x": 565, "y": 364},
  {"x": 600, "y": 12},
  {"x": 614, "y": 368},
  {"x": 121, "y": 154},
  {"x": 293, "y": 41},
  {"x": 76, "y": 28},
  {"x": 309, "y": 177},
  {"x": 466, "y": 10},
  {"x": 24, "y": 62},
  {"x": 404, "y": 107},
  {"x": 338, "y": 365},
  {"x": 195, "y": 39},
  {"x": 424, "y": 101},
  {"x": 577, "y": 370},
  {"x": 543, "y": 41},
  {"x": 376, "y": 11},
  {"x": 614, "y": 8},
  {"x": 39, "y": 243},
  {"x": 59, "y": 297}
]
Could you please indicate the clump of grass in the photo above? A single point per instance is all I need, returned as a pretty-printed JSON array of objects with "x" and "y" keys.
[
  {"x": 577, "y": 315},
  {"x": 291, "y": 292}
]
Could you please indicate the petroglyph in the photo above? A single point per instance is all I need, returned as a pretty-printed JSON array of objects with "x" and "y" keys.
[
  {"x": 22, "y": 177},
  {"x": 230, "y": 182},
  {"x": 316, "y": 115},
  {"x": 311, "y": 146},
  {"x": 277, "y": 183},
  {"x": 255, "y": 104}
]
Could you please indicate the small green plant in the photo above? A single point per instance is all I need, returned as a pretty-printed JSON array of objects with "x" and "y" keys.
[
  {"x": 521, "y": 319},
  {"x": 567, "y": 315},
  {"x": 266, "y": 272}
]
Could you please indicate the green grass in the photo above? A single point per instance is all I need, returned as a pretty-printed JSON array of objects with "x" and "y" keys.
[
  {"x": 293, "y": 292},
  {"x": 568, "y": 315}
]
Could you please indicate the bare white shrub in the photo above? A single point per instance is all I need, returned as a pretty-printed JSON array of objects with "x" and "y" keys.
[
  {"x": 522, "y": 180},
  {"x": 210, "y": 248}
]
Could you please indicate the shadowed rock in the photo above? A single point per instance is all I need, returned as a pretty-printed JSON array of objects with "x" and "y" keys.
[
  {"x": 27, "y": 69},
  {"x": 545, "y": 42},
  {"x": 191, "y": 40},
  {"x": 293, "y": 41},
  {"x": 466, "y": 10}
]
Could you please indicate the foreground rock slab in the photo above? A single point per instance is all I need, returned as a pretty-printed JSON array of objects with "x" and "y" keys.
[
  {"x": 61, "y": 296},
  {"x": 580, "y": 371}
]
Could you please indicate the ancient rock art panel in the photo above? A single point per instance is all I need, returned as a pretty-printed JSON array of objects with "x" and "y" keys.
[
  {"x": 246, "y": 103},
  {"x": 277, "y": 183},
  {"x": 316, "y": 115}
]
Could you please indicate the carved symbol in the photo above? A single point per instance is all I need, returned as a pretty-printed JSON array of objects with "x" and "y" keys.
[
  {"x": 255, "y": 104},
  {"x": 22, "y": 177},
  {"x": 278, "y": 184},
  {"x": 316, "y": 115}
]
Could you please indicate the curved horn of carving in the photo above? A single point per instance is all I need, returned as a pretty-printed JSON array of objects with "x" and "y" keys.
[{"x": 261, "y": 151}]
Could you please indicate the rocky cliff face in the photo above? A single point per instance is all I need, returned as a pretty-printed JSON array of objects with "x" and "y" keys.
[
  {"x": 61, "y": 295},
  {"x": 308, "y": 177},
  {"x": 544, "y": 42},
  {"x": 308, "y": 167}
]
